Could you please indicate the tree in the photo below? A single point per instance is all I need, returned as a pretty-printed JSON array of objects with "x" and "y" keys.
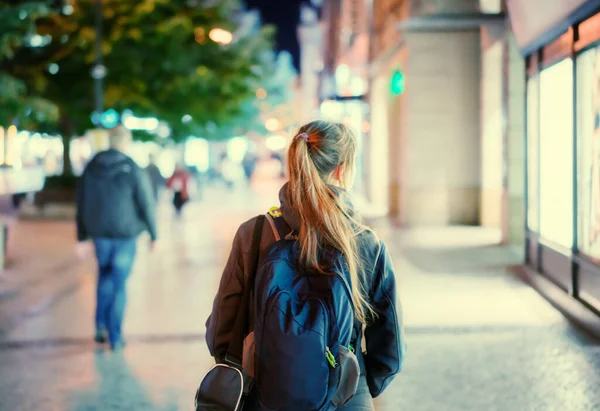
[
  {"x": 279, "y": 89},
  {"x": 274, "y": 91},
  {"x": 162, "y": 60},
  {"x": 17, "y": 105}
]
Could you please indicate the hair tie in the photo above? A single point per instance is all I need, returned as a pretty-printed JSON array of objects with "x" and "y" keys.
[{"x": 303, "y": 136}]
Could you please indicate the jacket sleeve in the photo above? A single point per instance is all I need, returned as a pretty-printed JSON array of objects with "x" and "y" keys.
[
  {"x": 82, "y": 233},
  {"x": 385, "y": 341},
  {"x": 220, "y": 324},
  {"x": 144, "y": 198}
]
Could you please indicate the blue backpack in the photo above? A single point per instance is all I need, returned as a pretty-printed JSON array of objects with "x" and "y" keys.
[{"x": 303, "y": 325}]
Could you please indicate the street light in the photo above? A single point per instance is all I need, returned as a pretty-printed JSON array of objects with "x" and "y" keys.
[
  {"x": 98, "y": 72},
  {"x": 68, "y": 9},
  {"x": 53, "y": 68},
  {"x": 261, "y": 93},
  {"x": 200, "y": 35},
  {"x": 272, "y": 124},
  {"x": 221, "y": 36}
]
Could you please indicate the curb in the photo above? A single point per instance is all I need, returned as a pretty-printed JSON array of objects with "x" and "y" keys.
[{"x": 54, "y": 212}]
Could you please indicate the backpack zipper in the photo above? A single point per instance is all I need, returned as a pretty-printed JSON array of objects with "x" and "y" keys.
[{"x": 330, "y": 358}]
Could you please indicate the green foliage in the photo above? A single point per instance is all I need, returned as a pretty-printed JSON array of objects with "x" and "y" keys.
[
  {"x": 17, "y": 104},
  {"x": 277, "y": 83},
  {"x": 161, "y": 62},
  {"x": 18, "y": 21}
]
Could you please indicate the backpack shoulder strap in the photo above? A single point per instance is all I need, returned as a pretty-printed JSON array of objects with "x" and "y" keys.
[
  {"x": 236, "y": 344},
  {"x": 281, "y": 230}
]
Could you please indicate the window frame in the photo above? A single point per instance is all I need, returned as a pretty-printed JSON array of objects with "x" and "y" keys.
[{"x": 573, "y": 271}]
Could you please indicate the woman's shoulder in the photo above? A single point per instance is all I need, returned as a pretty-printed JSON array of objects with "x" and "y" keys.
[
  {"x": 370, "y": 246},
  {"x": 248, "y": 225},
  {"x": 246, "y": 229},
  {"x": 245, "y": 232}
]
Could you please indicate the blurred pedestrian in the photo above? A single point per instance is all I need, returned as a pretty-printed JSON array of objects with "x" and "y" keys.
[
  {"x": 179, "y": 184},
  {"x": 231, "y": 171},
  {"x": 249, "y": 164},
  {"x": 226, "y": 169},
  {"x": 18, "y": 199},
  {"x": 308, "y": 348},
  {"x": 196, "y": 177},
  {"x": 279, "y": 157},
  {"x": 156, "y": 178},
  {"x": 115, "y": 204}
]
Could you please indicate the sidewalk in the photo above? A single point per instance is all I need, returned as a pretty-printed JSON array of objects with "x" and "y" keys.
[
  {"x": 478, "y": 338},
  {"x": 41, "y": 266}
]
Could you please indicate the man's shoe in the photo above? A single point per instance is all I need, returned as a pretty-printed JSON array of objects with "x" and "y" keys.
[{"x": 101, "y": 335}]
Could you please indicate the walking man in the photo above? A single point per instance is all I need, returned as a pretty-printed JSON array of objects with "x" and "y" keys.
[
  {"x": 156, "y": 178},
  {"x": 115, "y": 203}
]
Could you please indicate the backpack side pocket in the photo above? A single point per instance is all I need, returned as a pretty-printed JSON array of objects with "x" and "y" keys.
[{"x": 349, "y": 376}]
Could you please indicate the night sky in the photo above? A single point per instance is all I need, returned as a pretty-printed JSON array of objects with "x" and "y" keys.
[{"x": 285, "y": 15}]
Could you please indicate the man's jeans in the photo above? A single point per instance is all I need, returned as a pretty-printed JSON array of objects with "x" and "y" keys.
[{"x": 115, "y": 260}]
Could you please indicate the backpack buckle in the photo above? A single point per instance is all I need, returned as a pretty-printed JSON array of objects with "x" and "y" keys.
[
  {"x": 232, "y": 361},
  {"x": 275, "y": 212}
]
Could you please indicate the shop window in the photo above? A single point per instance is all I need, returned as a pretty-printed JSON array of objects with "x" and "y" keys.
[
  {"x": 533, "y": 147},
  {"x": 556, "y": 153},
  {"x": 588, "y": 132}
]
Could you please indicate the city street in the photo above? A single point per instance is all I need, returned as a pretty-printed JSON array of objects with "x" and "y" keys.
[{"x": 479, "y": 339}]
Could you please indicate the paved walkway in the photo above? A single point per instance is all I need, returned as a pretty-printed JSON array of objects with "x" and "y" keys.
[{"x": 478, "y": 338}]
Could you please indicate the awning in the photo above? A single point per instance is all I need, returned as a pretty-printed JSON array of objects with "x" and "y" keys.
[{"x": 538, "y": 22}]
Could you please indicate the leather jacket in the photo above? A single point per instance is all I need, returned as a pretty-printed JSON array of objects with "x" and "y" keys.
[{"x": 382, "y": 357}]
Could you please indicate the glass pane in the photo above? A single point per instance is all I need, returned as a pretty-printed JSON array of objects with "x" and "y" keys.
[
  {"x": 588, "y": 132},
  {"x": 533, "y": 165},
  {"x": 556, "y": 153}
]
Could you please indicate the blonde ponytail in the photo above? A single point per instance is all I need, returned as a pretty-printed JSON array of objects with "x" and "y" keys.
[{"x": 325, "y": 219}]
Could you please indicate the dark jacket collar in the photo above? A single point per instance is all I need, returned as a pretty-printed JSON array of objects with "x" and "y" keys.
[{"x": 291, "y": 216}]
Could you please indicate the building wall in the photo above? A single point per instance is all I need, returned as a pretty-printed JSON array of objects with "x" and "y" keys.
[
  {"x": 516, "y": 142},
  {"x": 441, "y": 179},
  {"x": 378, "y": 172},
  {"x": 386, "y": 13},
  {"x": 310, "y": 37},
  {"x": 397, "y": 124},
  {"x": 492, "y": 127},
  {"x": 503, "y": 127},
  {"x": 422, "y": 7},
  {"x": 433, "y": 132},
  {"x": 453, "y": 157}
]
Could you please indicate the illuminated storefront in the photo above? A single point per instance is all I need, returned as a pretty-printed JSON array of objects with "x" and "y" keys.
[{"x": 563, "y": 142}]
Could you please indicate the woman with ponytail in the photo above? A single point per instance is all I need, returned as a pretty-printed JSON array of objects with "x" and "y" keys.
[{"x": 318, "y": 212}]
